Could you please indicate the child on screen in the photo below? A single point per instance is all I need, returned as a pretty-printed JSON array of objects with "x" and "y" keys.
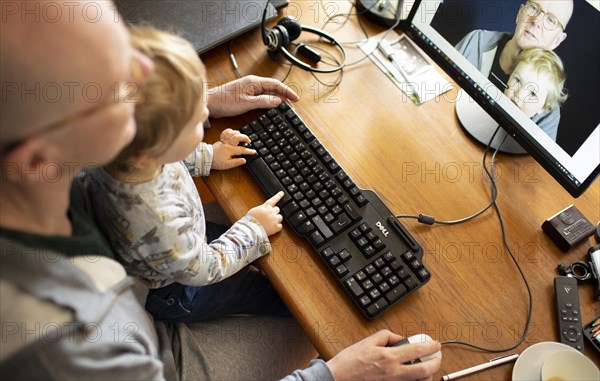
[
  {"x": 148, "y": 207},
  {"x": 536, "y": 85}
]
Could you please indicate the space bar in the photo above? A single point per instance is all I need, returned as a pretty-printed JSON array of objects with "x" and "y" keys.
[{"x": 267, "y": 179}]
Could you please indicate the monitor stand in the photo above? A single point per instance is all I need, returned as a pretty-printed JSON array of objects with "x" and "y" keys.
[{"x": 481, "y": 126}]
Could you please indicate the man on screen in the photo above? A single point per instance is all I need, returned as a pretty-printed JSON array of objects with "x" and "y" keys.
[{"x": 539, "y": 24}]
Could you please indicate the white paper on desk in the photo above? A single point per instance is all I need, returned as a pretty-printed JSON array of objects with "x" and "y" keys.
[{"x": 423, "y": 82}]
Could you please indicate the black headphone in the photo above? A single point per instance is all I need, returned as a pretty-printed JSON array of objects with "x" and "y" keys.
[{"x": 287, "y": 30}]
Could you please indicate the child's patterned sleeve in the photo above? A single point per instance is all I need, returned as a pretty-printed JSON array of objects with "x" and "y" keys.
[
  {"x": 178, "y": 252},
  {"x": 199, "y": 162}
]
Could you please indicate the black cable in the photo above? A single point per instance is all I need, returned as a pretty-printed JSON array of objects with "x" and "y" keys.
[
  {"x": 337, "y": 82},
  {"x": 491, "y": 175},
  {"x": 430, "y": 220}
]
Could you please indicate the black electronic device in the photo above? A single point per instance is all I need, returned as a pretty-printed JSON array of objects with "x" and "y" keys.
[
  {"x": 279, "y": 41},
  {"x": 585, "y": 271},
  {"x": 439, "y": 28},
  {"x": 370, "y": 253},
  {"x": 568, "y": 312},
  {"x": 568, "y": 228}
]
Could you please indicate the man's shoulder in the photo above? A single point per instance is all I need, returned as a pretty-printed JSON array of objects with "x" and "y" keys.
[{"x": 486, "y": 37}]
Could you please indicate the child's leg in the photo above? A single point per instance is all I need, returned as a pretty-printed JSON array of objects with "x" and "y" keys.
[{"x": 246, "y": 292}]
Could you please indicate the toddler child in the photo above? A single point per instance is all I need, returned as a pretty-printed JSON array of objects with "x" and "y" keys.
[
  {"x": 148, "y": 207},
  {"x": 536, "y": 85}
]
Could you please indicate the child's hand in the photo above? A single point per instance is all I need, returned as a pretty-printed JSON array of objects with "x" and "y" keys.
[
  {"x": 223, "y": 155},
  {"x": 268, "y": 214},
  {"x": 233, "y": 137}
]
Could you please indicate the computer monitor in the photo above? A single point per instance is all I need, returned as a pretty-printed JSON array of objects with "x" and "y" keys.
[{"x": 463, "y": 38}]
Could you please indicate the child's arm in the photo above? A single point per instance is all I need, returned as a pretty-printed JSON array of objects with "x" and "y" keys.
[{"x": 170, "y": 240}]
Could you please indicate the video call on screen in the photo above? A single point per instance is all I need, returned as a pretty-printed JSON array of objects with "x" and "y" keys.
[{"x": 579, "y": 52}]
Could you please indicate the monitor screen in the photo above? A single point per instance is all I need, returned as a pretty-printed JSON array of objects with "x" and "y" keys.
[{"x": 516, "y": 60}]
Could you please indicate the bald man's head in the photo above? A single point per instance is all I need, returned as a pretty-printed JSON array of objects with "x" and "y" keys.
[
  {"x": 58, "y": 59},
  {"x": 533, "y": 29}
]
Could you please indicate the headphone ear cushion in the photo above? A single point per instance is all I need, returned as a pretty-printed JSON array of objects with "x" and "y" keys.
[
  {"x": 282, "y": 38},
  {"x": 292, "y": 26}
]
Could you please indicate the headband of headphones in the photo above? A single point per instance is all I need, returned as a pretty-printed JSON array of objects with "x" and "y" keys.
[{"x": 288, "y": 29}]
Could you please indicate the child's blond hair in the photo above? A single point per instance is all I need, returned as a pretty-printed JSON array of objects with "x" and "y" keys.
[
  {"x": 547, "y": 62},
  {"x": 170, "y": 96}
]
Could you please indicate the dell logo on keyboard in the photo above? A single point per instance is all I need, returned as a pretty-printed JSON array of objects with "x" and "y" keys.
[{"x": 382, "y": 228}]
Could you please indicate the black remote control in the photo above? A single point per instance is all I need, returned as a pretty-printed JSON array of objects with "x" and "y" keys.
[{"x": 568, "y": 312}]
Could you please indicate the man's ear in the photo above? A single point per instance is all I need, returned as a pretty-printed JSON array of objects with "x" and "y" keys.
[
  {"x": 518, "y": 13},
  {"x": 560, "y": 38},
  {"x": 30, "y": 161}
]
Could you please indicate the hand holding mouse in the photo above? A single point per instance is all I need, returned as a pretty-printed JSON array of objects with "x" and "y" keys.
[
  {"x": 268, "y": 214},
  {"x": 375, "y": 358}
]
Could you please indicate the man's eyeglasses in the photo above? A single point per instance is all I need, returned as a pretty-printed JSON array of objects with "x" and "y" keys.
[{"x": 550, "y": 21}]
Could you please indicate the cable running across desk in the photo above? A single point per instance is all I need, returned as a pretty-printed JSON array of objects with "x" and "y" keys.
[{"x": 429, "y": 220}]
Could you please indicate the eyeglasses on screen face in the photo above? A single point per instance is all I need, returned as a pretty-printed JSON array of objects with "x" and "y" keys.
[{"x": 550, "y": 21}]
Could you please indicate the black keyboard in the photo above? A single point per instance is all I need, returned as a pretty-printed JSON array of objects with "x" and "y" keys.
[{"x": 371, "y": 254}]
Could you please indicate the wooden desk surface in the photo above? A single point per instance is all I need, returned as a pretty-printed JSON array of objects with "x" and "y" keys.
[{"x": 419, "y": 160}]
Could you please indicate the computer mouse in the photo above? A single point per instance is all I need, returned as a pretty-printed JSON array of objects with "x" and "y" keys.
[{"x": 419, "y": 338}]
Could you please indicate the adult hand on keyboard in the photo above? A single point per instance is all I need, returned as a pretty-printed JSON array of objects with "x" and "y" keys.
[
  {"x": 227, "y": 151},
  {"x": 247, "y": 93},
  {"x": 373, "y": 359},
  {"x": 268, "y": 214}
]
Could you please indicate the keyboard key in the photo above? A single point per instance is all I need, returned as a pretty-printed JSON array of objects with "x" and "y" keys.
[
  {"x": 320, "y": 224},
  {"x": 410, "y": 283},
  {"x": 396, "y": 264},
  {"x": 423, "y": 274},
  {"x": 306, "y": 227},
  {"x": 384, "y": 287},
  {"x": 360, "y": 199},
  {"x": 326, "y": 253},
  {"x": 334, "y": 261},
  {"x": 365, "y": 300},
  {"x": 377, "y": 278},
  {"x": 341, "y": 223},
  {"x": 345, "y": 255},
  {"x": 360, "y": 276},
  {"x": 408, "y": 257},
  {"x": 396, "y": 293},
  {"x": 416, "y": 265},
  {"x": 354, "y": 287},
  {"x": 316, "y": 238},
  {"x": 289, "y": 208},
  {"x": 377, "y": 307}
]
